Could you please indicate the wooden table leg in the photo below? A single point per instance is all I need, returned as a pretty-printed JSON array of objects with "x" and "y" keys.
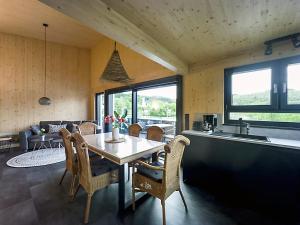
[{"x": 121, "y": 188}]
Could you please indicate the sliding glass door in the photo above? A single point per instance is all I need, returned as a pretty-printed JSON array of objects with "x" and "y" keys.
[
  {"x": 157, "y": 102},
  {"x": 157, "y": 106},
  {"x": 120, "y": 102}
]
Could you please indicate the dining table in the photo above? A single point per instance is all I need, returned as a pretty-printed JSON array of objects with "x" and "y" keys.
[{"x": 130, "y": 149}]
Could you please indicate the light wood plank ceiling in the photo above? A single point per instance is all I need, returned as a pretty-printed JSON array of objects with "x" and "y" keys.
[
  {"x": 25, "y": 18},
  {"x": 207, "y": 30}
]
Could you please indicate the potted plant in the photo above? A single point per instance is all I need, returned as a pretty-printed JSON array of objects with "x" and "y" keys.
[
  {"x": 42, "y": 133},
  {"x": 118, "y": 122}
]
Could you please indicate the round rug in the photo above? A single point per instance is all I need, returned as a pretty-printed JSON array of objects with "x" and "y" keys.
[{"x": 40, "y": 157}]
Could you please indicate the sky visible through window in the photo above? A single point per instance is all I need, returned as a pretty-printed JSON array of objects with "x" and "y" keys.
[
  {"x": 251, "y": 82},
  {"x": 167, "y": 92}
]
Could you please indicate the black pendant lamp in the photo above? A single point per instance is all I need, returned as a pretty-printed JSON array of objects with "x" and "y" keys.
[
  {"x": 45, "y": 100},
  {"x": 114, "y": 70}
]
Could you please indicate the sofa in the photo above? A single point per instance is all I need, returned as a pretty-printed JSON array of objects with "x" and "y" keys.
[{"x": 33, "y": 132}]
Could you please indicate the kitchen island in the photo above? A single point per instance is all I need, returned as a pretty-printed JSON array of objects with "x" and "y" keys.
[{"x": 265, "y": 173}]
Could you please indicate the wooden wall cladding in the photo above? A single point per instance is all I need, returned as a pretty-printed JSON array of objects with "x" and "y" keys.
[{"x": 22, "y": 76}]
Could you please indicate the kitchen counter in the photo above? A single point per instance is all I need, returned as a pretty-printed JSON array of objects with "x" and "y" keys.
[
  {"x": 285, "y": 143},
  {"x": 250, "y": 171}
]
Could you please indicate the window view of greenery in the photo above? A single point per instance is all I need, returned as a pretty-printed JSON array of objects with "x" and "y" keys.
[
  {"x": 100, "y": 108},
  {"x": 157, "y": 103},
  {"x": 154, "y": 106},
  {"x": 293, "y": 84},
  {"x": 122, "y": 101},
  {"x": 273, "y": 117},
  {"x": 157, "y": 106},
  {"x": 252, "y": 88}
]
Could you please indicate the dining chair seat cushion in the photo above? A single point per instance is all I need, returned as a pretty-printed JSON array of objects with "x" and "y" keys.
[
  {"x": 101, "y": 166},
  {"x": 146, "y": 157},
  {"x": 157, "y": 175},
  {"x": 92, "y": 154}
]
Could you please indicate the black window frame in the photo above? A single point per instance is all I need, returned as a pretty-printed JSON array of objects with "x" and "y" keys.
[
  {"x": 96, "y": 107},
  {"x": 278, "y": 97},
  {"x": 177, "y": 80}
]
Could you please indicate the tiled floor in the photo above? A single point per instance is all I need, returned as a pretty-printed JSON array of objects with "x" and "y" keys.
[{"x": 31, "y": 196}]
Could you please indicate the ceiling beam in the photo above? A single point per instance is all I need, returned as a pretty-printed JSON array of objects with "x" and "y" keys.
[{"x": 98, "y": 16}]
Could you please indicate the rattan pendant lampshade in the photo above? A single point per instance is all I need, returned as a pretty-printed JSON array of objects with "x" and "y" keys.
[
  {"x": 114, "y": 70},
  {"x": 45, "y": 100}
]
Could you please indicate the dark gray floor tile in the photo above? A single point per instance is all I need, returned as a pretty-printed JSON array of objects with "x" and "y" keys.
[{"x": 22, "y": 213}]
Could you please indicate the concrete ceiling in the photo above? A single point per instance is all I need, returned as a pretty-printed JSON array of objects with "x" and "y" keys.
[
  {"x": 207, "y": 30},
  {"x": 25, "y": 18}
]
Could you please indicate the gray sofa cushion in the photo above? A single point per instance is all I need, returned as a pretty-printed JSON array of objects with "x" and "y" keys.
[
  {"x": 35, "y": 129},
  {"x": 70, "y": 125},
  {"x": 45, "y": 124},
  {"x": 55, "y": 128}
]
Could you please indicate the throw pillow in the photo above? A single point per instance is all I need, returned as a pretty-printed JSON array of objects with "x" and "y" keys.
[
  {"x": 75, "y": 128},
  {"x": 56, "y": 128},
  {"x": 35, "y": 129}
]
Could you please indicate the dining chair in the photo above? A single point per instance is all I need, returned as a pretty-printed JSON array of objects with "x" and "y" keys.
[
  {"x": 93, "y": 175},
  {"x": 87, "y": 128},
  {"x": 154, "y": 133},
  {"x": 161, "y": 179},
  {"x": 71, "y": 162},
  {"x": 133, "y": 130}
]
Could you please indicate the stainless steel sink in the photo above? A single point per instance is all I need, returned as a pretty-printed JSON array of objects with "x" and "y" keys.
[
  {"x": 250, "y": 136},
  {"x": 245, "y": 136}
]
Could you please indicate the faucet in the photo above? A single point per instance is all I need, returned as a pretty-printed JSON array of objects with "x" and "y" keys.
[{"x": 241, "y": 123}]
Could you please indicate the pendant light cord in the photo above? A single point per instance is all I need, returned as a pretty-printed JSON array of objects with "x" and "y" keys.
[{"x": 45, "y": 81}]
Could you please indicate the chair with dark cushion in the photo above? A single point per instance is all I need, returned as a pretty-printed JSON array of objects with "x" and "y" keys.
[
  {"x": 161, "y": 180},
  {"x": 92, "y": 176},
  {"x": 71, "y": 161}
]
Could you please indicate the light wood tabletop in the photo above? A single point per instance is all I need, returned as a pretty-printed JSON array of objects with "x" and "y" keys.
[{"x": 131, "y": 149}]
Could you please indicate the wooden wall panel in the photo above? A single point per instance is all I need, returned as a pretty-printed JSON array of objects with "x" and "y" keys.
[{"x": 22, "y": 77}]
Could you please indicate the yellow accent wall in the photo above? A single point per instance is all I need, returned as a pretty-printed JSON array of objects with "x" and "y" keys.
[{"x": 22, "y": 82}]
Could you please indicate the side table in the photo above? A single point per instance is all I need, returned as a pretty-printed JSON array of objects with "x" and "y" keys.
[
  {"x": 6, "y": 141},
  {"x": 41, "y": 141}
]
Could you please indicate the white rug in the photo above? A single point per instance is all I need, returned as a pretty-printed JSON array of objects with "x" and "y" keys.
[{"x": 40, "y": 157}]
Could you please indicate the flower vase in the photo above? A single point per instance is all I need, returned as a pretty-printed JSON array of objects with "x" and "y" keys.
[{"x": 115, "y": 134}]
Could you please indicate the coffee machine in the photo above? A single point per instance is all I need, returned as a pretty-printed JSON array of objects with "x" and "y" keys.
[
  {"x": 210, "y": 121},
  {"x": 206, "y": 122}
]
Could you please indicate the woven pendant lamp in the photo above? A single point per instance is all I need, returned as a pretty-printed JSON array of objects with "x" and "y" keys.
[{"x": 114, "y": 70}]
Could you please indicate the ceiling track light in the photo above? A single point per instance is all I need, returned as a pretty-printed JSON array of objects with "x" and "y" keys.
[{"x": 293, "y": 37}]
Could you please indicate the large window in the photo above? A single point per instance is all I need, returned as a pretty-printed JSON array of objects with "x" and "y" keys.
[
  {"x": 99, "y": 109},
  {"x": 157, "y": 102},
  {"x": 264, "y": 94},
  {"x": 157, "y": 106},
  {"x": 123, "y": 101}
]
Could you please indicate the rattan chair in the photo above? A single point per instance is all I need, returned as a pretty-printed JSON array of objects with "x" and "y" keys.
[
  {"x": 71, "y": 162},
  {"x": 134, "y": 130},
  {"x": 87, "y": 128},
  {"x": 161, "y": 180},
  {"x": 155, "y": 133},
  {"x": 93, "y": 175}
]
